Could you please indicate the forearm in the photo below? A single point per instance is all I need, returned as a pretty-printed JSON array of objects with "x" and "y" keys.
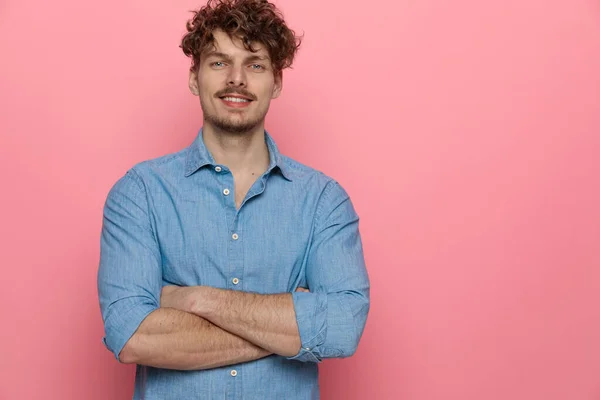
[
  {"x": 268, "y": 321},
  {"x": 174, "y": 339}
]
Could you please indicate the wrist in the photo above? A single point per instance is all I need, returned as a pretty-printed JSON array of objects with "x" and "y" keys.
[{"x": 203, "y": 302}]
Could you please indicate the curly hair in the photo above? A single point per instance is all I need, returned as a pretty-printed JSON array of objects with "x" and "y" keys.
[{"x": 249, "y": 20}]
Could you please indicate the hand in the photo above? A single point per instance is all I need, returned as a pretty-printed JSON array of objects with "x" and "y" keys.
[
  {"x": 301, "y": 289},
  {"x": 178, "y": 297}
]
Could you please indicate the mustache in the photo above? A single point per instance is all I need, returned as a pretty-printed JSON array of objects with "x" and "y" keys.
[{"x": 240, "y": 91}]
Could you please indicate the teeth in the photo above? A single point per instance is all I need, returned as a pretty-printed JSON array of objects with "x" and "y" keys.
[{"x": 235, "y": 100}]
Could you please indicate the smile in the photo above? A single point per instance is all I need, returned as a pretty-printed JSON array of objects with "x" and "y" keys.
[{"x": 236, "y": 100}]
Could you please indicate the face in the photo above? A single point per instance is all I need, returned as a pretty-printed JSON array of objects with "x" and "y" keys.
[{"x": 235, "y": 85}]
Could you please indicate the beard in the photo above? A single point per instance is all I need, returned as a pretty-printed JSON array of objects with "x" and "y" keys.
[{"x": 231, "y": 124}]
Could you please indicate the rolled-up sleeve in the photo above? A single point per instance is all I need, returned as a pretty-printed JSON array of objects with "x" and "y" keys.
[
  {"x": 129, "y": 274},
  {"x": 332, "y": 316}
]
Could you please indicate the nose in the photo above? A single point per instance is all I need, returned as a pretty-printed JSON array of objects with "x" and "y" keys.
[{"x": 237, "y": 77}]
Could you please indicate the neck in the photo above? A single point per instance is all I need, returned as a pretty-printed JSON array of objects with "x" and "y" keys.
[{"x": 241, "y": 152}]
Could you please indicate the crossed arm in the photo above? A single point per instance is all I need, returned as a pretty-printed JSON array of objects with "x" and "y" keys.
[
  {"x": 247, "y": 327},
  {"x": 180, "y": 328}
]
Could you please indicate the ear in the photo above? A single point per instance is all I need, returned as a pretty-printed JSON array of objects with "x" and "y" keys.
[
  {"x": 193, "y": 83},
  {"x": 278, "y": 85}
]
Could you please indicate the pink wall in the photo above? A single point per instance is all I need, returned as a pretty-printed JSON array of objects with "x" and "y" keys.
[{"x": 467, "y": 133}]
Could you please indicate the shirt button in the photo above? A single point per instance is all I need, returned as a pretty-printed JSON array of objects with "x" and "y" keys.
[
  {"x": 233, "y": 372},
  {"x": 226, "y": 192},
  {"x": 235, "y": 236},
  {"x": 218, "y": 169},
  {"x": 235, "y": 281}
]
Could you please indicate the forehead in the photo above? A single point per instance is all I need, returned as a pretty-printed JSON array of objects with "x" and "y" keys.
[{"x": 234, "y": 46}]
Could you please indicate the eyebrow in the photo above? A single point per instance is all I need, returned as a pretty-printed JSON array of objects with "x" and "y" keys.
[
  {"x": 257, "y": 58},
  {"x": 227, "y": 57}
]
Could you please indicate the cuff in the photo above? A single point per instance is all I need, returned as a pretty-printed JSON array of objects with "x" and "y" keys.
[
  {"x": 120, "y": 326},
  {"x": 311, "y": 316}
]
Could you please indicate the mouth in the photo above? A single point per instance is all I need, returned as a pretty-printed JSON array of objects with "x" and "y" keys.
[{"x": 236, "y": 101}]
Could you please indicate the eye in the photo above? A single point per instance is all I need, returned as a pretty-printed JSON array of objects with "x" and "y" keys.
[
  {"x": 257, "y": 67},
  {"x": 217, "y": 64}
]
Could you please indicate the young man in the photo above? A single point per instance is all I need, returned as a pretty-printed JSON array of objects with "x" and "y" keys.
[{"x": 228, "y": 270}]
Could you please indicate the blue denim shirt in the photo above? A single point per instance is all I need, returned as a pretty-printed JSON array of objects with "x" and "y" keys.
[{"x": 170, "y": 221}]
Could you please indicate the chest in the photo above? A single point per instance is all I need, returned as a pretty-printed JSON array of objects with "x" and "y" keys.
[
  {"x": 242, "y": 184},
  {"x": 257, "y": 245}
]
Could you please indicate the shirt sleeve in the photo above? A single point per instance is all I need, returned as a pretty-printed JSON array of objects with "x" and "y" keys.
[
  {"x": 332, "y": 316},
  {"x": 130, "y": 272}
]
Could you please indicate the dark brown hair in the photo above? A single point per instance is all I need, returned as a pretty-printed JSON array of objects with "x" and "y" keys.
[{"x": 248, "y": 20}]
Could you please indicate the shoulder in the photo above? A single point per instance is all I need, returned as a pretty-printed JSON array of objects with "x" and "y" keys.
[
  {"x": 328, "y": 188},
  {"x": 144, "y": 173},
  {"x": 305, "y": 174},
  {"x": 169, "y": 164}
]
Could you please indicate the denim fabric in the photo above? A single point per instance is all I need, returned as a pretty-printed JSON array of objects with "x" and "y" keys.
[{"x": 169, "y": 221}]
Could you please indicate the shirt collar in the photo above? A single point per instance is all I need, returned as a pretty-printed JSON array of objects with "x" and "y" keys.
[{"x": 198, "y": 156}]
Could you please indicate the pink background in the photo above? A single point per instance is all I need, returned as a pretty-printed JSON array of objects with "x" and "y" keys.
[{"x": 466, "y": 132}]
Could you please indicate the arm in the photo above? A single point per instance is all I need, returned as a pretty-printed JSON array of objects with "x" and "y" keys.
[
  {"x": 326, "y": 322},
  {"x": 129, "y": 287},
  {"x": 174, "y": 339},
  {"x": 268, "y": 321},
  {"x": 332, "y": 318}
]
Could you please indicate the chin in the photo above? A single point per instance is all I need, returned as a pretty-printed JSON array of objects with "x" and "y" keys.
[
  {"x": 235, "y": 127},
  {"x": 235, "y": 124}
]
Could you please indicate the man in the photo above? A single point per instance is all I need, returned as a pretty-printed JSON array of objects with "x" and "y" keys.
[{"x": 227, "y": 270}]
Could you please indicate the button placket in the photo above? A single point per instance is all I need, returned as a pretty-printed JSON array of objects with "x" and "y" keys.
[{"x": 234, "y": 250}]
